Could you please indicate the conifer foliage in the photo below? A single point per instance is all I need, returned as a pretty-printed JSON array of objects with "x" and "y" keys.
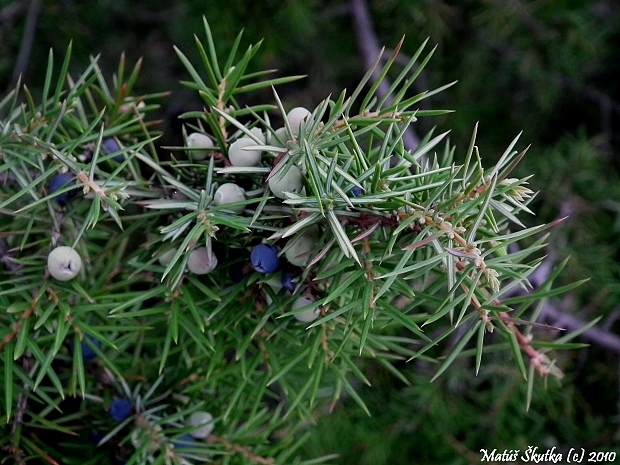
[{"x": 229, "y": 288}]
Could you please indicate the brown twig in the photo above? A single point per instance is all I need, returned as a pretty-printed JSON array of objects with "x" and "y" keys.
[
  {"x": 25, "y": 49},
  {"x": 240, "y": 450},
  {"x": 369, "y": 47}
]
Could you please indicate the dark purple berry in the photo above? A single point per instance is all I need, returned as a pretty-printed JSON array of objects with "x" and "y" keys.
[
  {"x": 236, "y": 273},
  {"x": 288, "y": 283},
  {"x": 356, "y": 191},
  {"x": 88, "y": 354},
  {"x": 60, "y": 181},
  {"x": 184, "y": 442},
  {"x": 95, "y": 437},
  {"x": 264, "y": 258},
  {"x": 120, "y": 410},
  {"x": 110, "y": 146}
]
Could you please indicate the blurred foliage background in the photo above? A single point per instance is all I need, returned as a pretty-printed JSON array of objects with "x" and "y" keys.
[{"x": 551, "y": 69}]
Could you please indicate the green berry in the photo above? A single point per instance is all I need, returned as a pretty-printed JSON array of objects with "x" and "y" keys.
[
  {"x": 64, "y": 263},
  {"x": 230, "y": 193},
  {"x": 203, "y": 422},
  {"x": 258, "y": 133},
  {"x": 290, "y": 181},
  {"x": 201, "y": 261},
  {"x": 275, "y": 283},
  {"x": 295, "y": 117},
  {"x": 308, "y": 315},
  {"x": 279, "y": 138},
  {"x": 198, "y": 140},
  {"x": 165, "y": 258},
  {"x": 141, "y": 437},
  {"x": 300, "y": 251},
  {"x": 240, "y": 156}
]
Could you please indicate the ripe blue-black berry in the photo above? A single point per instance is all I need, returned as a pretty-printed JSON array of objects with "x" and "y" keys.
[
  {"x": 184, "y": 442},
  {"x": 88, "y": 354},
  {"x": 95, "y": 436},
  {"x": 287, "y": 282},
  {"x": 110, "y": 146},
  {"x": 236, "y": 273},
  {"x": 60, "y": 181},
  {"x": 120, "y": 410},
  {"x": 356, "y": 191},
  {"x": 265, "y": 258}
]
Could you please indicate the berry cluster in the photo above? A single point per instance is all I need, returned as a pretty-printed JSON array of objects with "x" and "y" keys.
[{"x": 249, "y": 149}]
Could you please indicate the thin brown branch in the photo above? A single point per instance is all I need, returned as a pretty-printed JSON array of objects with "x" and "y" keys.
[
  {"x": 598, "y": 336},
  {"x": 25, "y": 49},
  {"x": 12, "y": 11},
  {"x": 240, "y": 450},
  {"x": 370, "y": 49}
]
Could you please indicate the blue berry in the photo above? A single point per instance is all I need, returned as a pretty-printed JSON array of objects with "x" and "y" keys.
[
  {"x": 265, "y": 258},
  {"x": 96, "y": 436},
  {"x": 356, "y": 191},
  {"x": 88, "y": 354},
  {"x": 120, "y": 410},
  {"x": 287, "y": 282},
  {"x": 236, "y": 273},
  {"x": 184, "y": 442},
  {"x": 110, "y": 146},
  {"x": 60, "y": 181}
]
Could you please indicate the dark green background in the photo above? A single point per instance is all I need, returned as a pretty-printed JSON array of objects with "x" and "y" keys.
[{"x": 549, "y": 68}]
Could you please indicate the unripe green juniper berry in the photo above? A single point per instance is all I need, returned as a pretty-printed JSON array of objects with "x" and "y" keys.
[
  {"x": 299, "y": 252},
  {"x": 197, "y": 140},
  {"x": 202, "y": 261},
  {"x": 58, "y": 182},
  {"x": 279, "y": 138},
  {"x": 64, "y": 263},
  {"x": 120, "y": 410},
  {"x": 309, "y": 315},
  {"x": 203, "y": 422},
  {"x": 229, "y": 193},
  {"x": 264, "y": 258},
  {"x": 259, "y": 134},
  {"x": 289, "y": 181},
  {"x": 240, "y": 156},
  {"x": 295, "y": 118},
  {"x": 165, "y": 258}
]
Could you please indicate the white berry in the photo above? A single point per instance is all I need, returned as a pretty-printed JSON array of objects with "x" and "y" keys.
[
  {"x": 230, "y": 193},
  {"x": 258, "y": 133},
  {"x": 202, "y": 261},
  {"x": 295, "y": 118},
  {"x": 309, "y": 315},
  {"x": 203, "y": 421},
  {"x": 279, "y": 138},
  {"x": 301, "y": 249},
  {"x": 64, "y": 263},
  {"x": 240, "y": 156},
  {"x": 289, "y": 181},
  {"x": 198, "y": 140}
]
